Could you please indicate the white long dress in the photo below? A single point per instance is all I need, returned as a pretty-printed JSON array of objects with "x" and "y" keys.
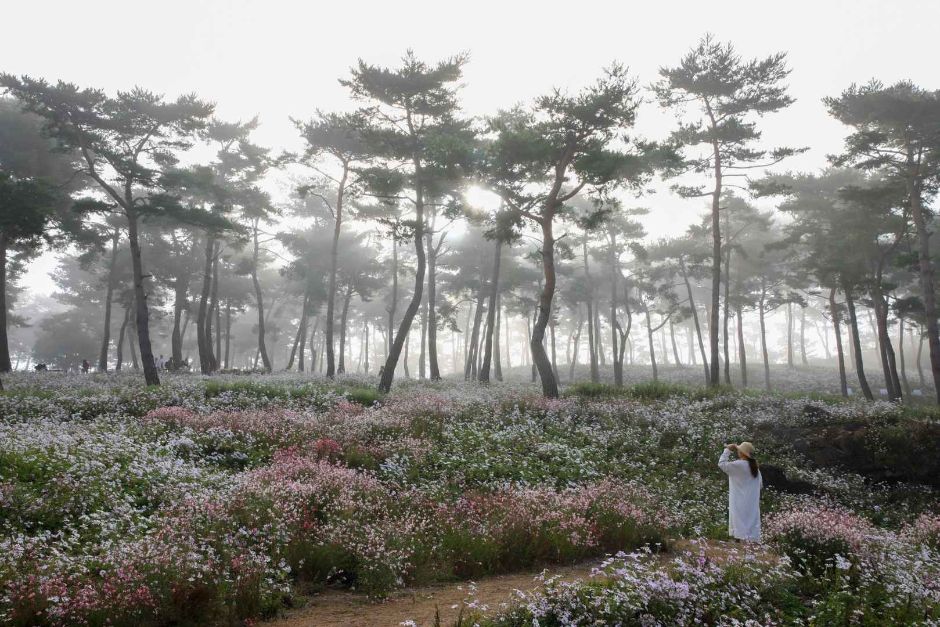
[{"x": 743, "y": 498}]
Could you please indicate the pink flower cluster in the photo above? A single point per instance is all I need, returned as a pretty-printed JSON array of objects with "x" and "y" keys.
[
  {"x": 822, "y": 522},
  {"x": 926, "y": 529}
]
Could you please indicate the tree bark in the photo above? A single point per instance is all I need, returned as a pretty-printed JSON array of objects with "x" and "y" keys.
[
  {"x": 904, "y": 382},
  {"x": 388, "y": 372},
  {"x": 259, "y": 298},
  {"x": 433, "y": 362},
  {"x": 331, "y": 289},
  {"x": 109, "y": 296},
  {"x": 119, "y": 356},
  {"x": 5, "y": 365},
  {"x": 344, "y": 316},
  {"x": 536, "y": 344},
  {"x": 859, "y": 365},
  {"x": 470, "y": 370},
  {"x": 203, "y": 343},
  {"x": 140, "y": 296},
  {"x": 726, "y": 305},
  {"x": 927, "y": 289},
  {"x": 649, "y": 335},
  {"x": 742, "y": 349},
  {"x": 698, "y": 327},
  {"x": 763, "y": 341},
  {"x": 885, "y": 349},
  {"x": 497, "y": 353},
  {"x": 840, "y": 354},
  {"x": 491, "y": 319}
]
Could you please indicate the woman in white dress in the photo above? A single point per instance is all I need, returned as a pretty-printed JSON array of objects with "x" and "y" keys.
[{"x": 744, "y": 485}]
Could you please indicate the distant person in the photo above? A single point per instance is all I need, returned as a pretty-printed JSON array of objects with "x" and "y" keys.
[
  {"x": 161, "y": 362},
  {"x": 744, "y": 486},
  {"x": 85, "y": 366}
]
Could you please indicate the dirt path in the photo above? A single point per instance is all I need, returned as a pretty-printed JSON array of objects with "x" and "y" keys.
[{"x": 338, "y": 608}]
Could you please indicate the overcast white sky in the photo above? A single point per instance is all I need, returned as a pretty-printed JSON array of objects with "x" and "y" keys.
[{"x": 277, "y": 59}]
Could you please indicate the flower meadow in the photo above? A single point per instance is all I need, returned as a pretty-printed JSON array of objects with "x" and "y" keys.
[{"x": 220, "y": 500}]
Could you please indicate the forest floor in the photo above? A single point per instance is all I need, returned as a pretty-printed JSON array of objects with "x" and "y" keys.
[{"x": 422, "y": 605}]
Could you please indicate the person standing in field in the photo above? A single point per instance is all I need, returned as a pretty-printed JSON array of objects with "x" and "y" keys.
[{"x": 744, "y": 486}]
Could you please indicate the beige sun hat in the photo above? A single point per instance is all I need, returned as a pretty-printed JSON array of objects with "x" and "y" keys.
[{"x": 746, "y": 449}]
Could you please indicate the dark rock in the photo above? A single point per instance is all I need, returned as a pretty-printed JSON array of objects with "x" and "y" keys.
[{"x": 775, "y": 478}]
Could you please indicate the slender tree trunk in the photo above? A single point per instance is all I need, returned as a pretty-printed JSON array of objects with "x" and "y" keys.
[
  {"x": 920, "y": 368},
  {"x": 470, "y": 371},
  {"x": 140, "y": 297},
  {"x": 497, "y": 353},
  {"x": 388, "y": 373},
  {"x": 344, "y": 316},
  {"x": 789, "y": 335},
  {"x": 614, "y": 263},
  {"x": 840, "y": 355},
  {"x": 120, "y": 343},
  {"x": 203, "y": 343},
  {"x": 904, "y": 382},
  {"x": 5, "y": 365},
  {"x": 885, "y": 349},
  {"x": 216, "y": 309},
  {"x": 649, "y": 334},
  {"x": 551, "y": 326},
  {"x": 331, "y": 289},
  {"x": 577, "y": 346},
  {"x": 803, "y": 359},
  {"x": 698, "y": 327},
  {"x": 675, "y": 347},
  {"x": 726, "y": 305},
  {"x": 491, "y": 318},
  {"x": 713, "y": 313},
  {"x": 927, "y": 288},
  {"x": 393, "y": 306},
  {"x": 742, "y": 349},
  {"x": 763, "y": 341},
  {"x": 536, "y": 343},
  {"x": 259, "y": 298},
  {"x": 422, "y": 354},
  {"x": 433, "y": 361},
  {"x": 228, "y": 331},
  {"x": 859, "y": 365},
  {"x": 109, "y": 296},
  {"x": 135, "y": 362}
]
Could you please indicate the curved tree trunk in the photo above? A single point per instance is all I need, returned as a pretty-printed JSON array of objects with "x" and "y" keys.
[
  {"x": 140, "y": 297},
  {"x": 388, "y": 371},
  {"x": 536, "y": 343}
]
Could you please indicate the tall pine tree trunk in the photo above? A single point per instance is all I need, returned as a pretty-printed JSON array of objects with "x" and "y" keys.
[
  {"x": 344, "y": 317},
  {"x": 120, "y": 343},
  {"x": 763, "y": 340},
  {"x": 840, "y": 355},
  {"x": 388, "y": 372},
  {"x": 537, "y": 341},
  {"x": 331, "y": 289},
  {"x": 203, "y": 342},
  {"x": 109, "y": 297},
  {"x": 927, "y": 289},
  {"x": 492, "y": 330},
  {"x": 698, "y": 327},
  {"x": 649, "y": 334},
  {"x": 433, "y": 362},
  {"x": 140, "y": 298},
  {"x": 259, "y": 298},
  {"x": 742, "y": 349},
  {"x": 859, "y": 365}
]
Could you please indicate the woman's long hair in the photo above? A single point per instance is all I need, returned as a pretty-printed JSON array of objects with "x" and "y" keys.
[{"x": 752, "y": 463}]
